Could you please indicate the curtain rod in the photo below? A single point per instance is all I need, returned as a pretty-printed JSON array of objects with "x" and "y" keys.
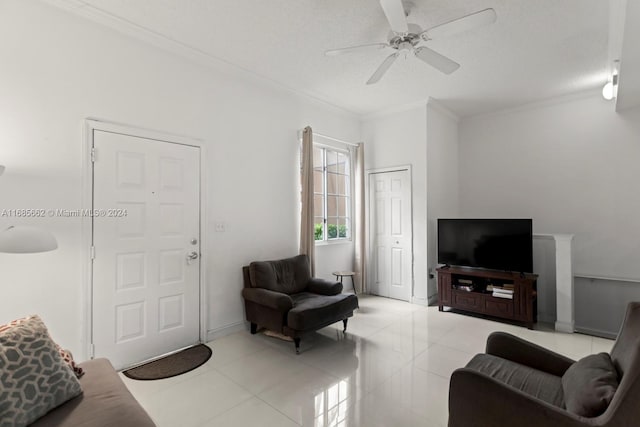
[{"x": 329, "y": 138}]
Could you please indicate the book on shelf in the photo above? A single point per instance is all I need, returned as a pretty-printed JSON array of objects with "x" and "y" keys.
[
  {"x": 503, "y": 291},
  {"x": 465, "y": 282},
  {"x": 501, "y": 295}
]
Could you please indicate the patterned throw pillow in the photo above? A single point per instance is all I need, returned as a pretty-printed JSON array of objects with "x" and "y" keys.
[
  {"x": 33, "y": 376},
  {"x": 66, "y": 354}
]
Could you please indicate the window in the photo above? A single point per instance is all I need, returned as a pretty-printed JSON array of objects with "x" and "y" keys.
[{"x": 332, "y": 194}]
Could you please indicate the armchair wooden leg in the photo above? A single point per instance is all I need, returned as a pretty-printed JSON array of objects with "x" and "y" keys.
[
  {"x": 254, "y": 328},
  {"x": 344, "y": 322},
  {"x": 297, "y": 342}
]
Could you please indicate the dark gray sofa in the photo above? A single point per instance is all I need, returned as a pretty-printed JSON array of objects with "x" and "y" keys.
[
  {"x": 283, "y": 297},
  {"x": 105, "y": 402},
  {"x": 518, "y": 383}
]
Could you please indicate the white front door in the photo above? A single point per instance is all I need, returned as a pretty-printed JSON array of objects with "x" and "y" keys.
[
  {"x": 390, "y": 234},
  {"x": 146, "y": 224}
]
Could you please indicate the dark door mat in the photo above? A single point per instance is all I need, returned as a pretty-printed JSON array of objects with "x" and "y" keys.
[{"x": 172, "y": 365}]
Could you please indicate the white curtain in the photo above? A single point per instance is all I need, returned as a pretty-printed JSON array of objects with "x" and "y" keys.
[
  {"x": 307, "y": 238},
  {"x": 358, "y": 217}
]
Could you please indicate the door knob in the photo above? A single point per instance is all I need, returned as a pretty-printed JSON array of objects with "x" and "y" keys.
[{"x": 191, "y": 256}]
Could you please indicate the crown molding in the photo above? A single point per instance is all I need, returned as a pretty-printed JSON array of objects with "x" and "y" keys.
[
  {"x": 548, "y": 102},
  {"x": 394, "y": 110}
]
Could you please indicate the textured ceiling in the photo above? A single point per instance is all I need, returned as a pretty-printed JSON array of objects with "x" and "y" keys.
[{"x": 537, "y": 48}]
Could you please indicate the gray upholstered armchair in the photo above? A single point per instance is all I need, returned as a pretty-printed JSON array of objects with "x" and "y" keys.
[
  {"x": 283, "y": 297},
  {"x": 517, "y": 383}
]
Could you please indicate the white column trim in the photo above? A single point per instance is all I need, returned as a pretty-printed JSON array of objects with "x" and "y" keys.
[{"x": 565, "y": 318}]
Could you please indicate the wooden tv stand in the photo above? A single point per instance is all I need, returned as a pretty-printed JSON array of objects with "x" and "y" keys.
[{"x": 522, "y": 308}]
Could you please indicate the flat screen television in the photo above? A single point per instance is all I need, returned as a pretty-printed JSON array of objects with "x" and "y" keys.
[{"x": 497, "y": 244}]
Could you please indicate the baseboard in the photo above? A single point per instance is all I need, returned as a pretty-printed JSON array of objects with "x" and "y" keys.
[
  {"x": 596, "y": 332},
  {"x": 433, "y": 299},
  {"x": 419, "y": 301},
  {"x": 565, "y": 327},
  {"x": 228, "y": 329}
]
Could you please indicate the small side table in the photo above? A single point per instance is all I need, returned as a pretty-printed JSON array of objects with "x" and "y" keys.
[{"x": 341, "y": 274}]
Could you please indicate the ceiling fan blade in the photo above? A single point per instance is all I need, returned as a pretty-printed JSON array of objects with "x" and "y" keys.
[
  {"x": 394, "y": 11},
  {"x": 436, "y": 60},
  {"x": 382, "y": 69},
  {"x": 352, "y": 49},
  {"x": 459, "y": 25}
]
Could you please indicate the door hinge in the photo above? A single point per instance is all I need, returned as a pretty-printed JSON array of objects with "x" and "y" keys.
[
  {"x": 93, "y": 252},
  {"x": 93, "y": 154}
]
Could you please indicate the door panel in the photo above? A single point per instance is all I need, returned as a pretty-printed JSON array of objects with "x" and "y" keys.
[
  {"x": 390, "y": 234},
  {"x": 396, "y": 217},
  {"x": 146, "y": 295},
  {"x": 396, "y": 267}
]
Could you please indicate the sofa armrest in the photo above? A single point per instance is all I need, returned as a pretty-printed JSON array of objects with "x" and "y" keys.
[
  {"x": 517, "y": 350},
  {"x": 477, "y": 400},
  {"x": 272, "y": 299},
  {"x": 324, "y": 287}
]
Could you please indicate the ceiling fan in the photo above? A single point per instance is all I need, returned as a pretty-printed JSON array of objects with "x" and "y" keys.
[{"x": 405, "y": 38}]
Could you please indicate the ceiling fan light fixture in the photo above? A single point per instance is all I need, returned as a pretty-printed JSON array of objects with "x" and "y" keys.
[{"x": 405, "y": 47}]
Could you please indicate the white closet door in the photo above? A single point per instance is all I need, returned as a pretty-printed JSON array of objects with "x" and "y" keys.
[{"x": 390, "y": 234}]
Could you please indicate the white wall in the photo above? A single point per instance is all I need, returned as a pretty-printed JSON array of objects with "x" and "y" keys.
[
  {"x": 58, "y": 69},
  {"x": 442, "y": 180},
  {"x": 398, "y": 139},
  {"x": 571, "y": 165}
]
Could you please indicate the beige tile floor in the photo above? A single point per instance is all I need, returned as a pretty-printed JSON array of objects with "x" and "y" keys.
[{"x": 391, "y": 369}]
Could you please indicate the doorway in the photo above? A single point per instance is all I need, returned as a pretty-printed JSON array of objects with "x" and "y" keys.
[
  {"x": 390, "y": 233},
  {"x": 146, "y": 239}
]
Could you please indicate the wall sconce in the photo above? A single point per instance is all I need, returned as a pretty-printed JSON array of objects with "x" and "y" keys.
[
  {"x": 26, "y": 240},
  {"x": 610, "y": 89},
  {"x": 23, "y": 239}
]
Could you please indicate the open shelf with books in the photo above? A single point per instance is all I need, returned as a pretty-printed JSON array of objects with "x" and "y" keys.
[{"x": 501, "y": 294}]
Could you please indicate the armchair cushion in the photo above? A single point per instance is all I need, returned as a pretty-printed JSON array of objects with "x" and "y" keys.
[
  {"x": 324, "y": 287},
  {"x": 589, "y": 385},
  {"x": 310, "y": 310},
  {"x": 288, "y": 276},
  {"x": 478, "y": 400},
  {"x": 531, "y": 381},
  {"x": 272, "y": 299}
]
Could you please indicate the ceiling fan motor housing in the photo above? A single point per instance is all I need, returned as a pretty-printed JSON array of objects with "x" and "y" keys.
[{"x": 402, "y": 41}]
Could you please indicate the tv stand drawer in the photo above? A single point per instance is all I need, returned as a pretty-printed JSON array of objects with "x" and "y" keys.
[
  {"x": 467, "y": 300},
  {"x": 498, "y": 307}
]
